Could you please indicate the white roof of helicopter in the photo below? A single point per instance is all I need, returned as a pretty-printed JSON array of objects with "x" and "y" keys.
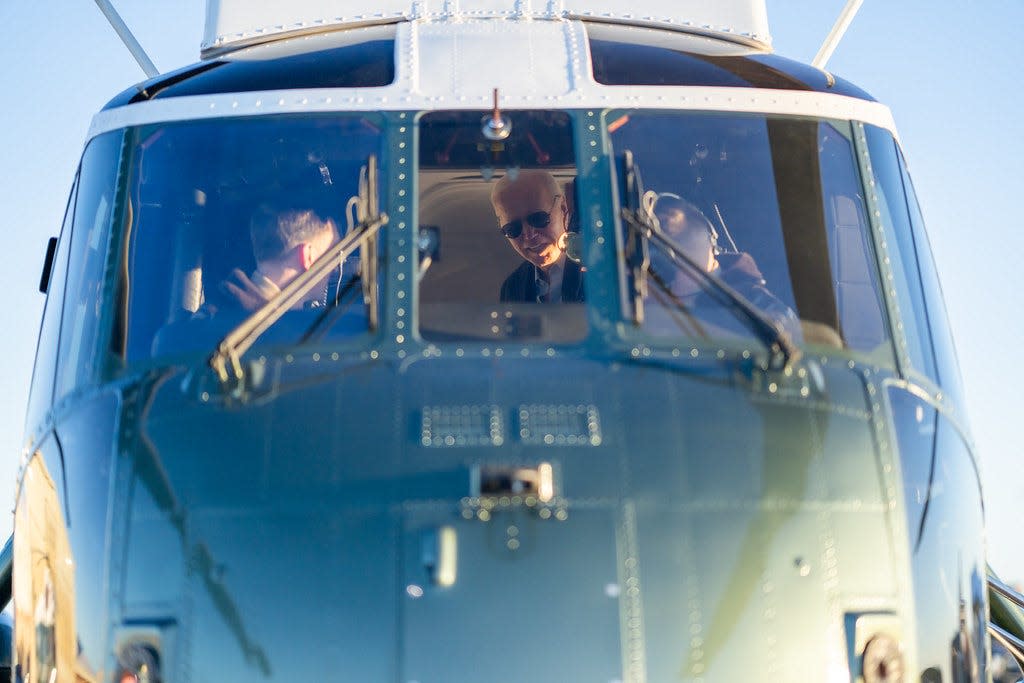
[{"x": 235, "y": 23}]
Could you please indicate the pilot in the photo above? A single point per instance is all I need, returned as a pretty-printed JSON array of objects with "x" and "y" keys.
[
  {"x": 690, "y": 229},
  {"x": 534, "y": 216},
  {"x": 285, "y": 243}
]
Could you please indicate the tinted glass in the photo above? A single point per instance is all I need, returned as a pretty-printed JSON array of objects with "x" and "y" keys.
[
  {"x": 633, "y": 55},
  {"x": 773, "y": 208},
  {"x": 43, "y": 374},
  {"x": 354, "y": 58},
  {"x": 80, "y": 355},
  {"x": 228, "y": 211},
  {"x": 895, "y": 220},
  {"x": 502, "y": 269}
]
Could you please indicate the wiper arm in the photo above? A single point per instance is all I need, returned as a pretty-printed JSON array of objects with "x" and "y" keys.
[
  {"x": 783, "y": 352},
  {"x": 226, "y": 360}
]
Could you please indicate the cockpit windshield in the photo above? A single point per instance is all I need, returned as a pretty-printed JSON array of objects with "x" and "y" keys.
[
  {"x": 224, "y": 213},
  {"x": 221, "y": 214},
  {"x": 498, "y": 204},
  {"x": 772, "y": 207}
]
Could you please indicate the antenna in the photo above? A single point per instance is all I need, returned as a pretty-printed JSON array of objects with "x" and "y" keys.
[
  {"x": 127, "y": 38},
  {"x": 832, "y": 41}
]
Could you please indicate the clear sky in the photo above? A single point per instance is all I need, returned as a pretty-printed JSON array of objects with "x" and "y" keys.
[{"x": 945, "y": 67}]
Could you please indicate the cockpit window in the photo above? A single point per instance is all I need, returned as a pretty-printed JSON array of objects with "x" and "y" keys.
[
  {"x": 353, "y": 58},
  {"x": 498, "y": 228},
  {"x": 770, "y": 206},
  {"x": 224, "y": 213},
  {"x": 637, "y": 55}
]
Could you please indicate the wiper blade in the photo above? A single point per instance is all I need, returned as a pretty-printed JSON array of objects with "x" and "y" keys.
[{"x": 783, "y": 352}]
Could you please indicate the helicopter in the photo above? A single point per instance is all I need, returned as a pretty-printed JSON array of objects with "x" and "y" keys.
[{"x": 416, "y": 478}]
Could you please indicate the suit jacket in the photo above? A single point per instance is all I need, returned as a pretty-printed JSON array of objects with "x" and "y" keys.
[{"x": 521, "y": 284}]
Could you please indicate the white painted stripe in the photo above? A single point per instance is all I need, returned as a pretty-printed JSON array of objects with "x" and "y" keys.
[{"x": 400, "y": 97}]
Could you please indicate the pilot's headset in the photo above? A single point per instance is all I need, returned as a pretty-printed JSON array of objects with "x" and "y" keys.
[{"x": 651, "y": 199}]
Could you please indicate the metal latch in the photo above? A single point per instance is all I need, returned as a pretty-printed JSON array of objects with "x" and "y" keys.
[{"x": 497, "y": 487}]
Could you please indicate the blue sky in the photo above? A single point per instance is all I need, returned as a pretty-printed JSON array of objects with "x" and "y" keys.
[{"x": 945, "y": 67}]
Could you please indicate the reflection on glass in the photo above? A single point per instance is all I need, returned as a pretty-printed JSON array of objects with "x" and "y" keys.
[
  {"x": 224, "y": 213},
  {"x": 771, "y": 206}
]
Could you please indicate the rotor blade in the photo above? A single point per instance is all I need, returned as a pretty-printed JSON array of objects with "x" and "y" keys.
[
  {"x": 837, "y": 33},
  {"x": 125, "y": 34}
]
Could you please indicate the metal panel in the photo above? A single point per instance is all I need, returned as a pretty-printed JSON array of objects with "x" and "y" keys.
[
  {"x": 461, "y": 59},
  {"x": 233, "y": 23}
]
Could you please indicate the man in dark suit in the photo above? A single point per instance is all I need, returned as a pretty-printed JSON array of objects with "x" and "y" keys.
[{"x": 534, "y": 216}]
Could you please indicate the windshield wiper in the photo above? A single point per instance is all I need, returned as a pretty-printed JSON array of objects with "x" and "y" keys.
[
  {"x": 782, "y": 351},
  {"x": 226, "y": 360}
]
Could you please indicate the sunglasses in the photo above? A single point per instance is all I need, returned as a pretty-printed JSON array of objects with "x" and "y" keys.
[{"x": 536, "y": 220}]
